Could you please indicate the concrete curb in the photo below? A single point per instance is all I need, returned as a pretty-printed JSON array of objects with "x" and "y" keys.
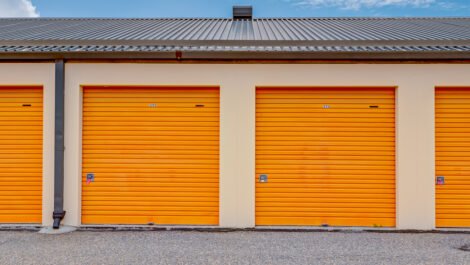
[
  {"x": 268, "y": 229},
  {"x": 28, "y": 228},
  {"x": 211, "y": 229}
]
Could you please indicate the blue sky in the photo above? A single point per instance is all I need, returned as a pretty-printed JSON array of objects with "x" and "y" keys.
[{"x": 222, "y": 8}]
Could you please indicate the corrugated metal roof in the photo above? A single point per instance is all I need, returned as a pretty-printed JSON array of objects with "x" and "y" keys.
[
  {"x": 25, "y": 35},
  {"x": 269, "y": 29}
]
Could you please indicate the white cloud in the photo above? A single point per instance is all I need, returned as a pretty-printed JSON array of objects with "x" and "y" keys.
[
  {"x": 17, "y": 8},
  {"x": 358, "y": 4}
]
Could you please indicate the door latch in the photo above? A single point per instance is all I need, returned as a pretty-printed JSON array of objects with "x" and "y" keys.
[
  {"x": 440, "y": 180},
  {"x": 90, "y": 177},
  {"x": 263, "y": 178}
]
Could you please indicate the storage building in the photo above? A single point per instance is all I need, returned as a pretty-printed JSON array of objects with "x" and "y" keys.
[{"x": 235, "y": 122}]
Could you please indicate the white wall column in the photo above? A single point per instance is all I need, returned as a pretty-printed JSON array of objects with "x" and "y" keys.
[
  {"x": 415, "y": 154},
  {"x": 237, "y": 154},
  {"x": 73, "y": 148}
]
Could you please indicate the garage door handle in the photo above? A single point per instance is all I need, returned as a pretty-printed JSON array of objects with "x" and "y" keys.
[
  {"x": 263, "y": 178},
  {"x": 440, "y": 180}
]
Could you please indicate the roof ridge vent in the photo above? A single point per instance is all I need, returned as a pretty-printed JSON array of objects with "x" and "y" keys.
[{"x": 243, "y": 12}]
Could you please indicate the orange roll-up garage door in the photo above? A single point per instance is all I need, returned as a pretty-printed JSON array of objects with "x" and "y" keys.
[
  {"x": 453, "y": 157},
  {"x": 150, "y": 155},
  {"x": 325, "y": 156},
  {"x": 21, "y": 133}
]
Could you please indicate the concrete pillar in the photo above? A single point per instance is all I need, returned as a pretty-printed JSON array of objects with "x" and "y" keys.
[
  {"x": 415, "y": 155},
  {"x": 237, "y": 154},
  {"x": 73, "y": 148}
]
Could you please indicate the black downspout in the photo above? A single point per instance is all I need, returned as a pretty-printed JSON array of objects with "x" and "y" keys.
[{"x": 59, "y": 212}]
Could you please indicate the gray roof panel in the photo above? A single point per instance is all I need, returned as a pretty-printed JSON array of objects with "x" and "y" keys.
[
  {"x": 269, "y": 29},
  {"x": 64, "y": 35}
]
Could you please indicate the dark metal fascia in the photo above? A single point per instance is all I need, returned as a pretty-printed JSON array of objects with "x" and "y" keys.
[{"x": 241, "y": 55}]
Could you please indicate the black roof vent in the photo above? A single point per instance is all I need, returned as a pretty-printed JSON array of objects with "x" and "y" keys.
[{"x": 242, "y": 12}]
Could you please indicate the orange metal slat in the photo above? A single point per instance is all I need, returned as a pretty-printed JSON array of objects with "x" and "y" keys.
[
  {"x": 326, "y": 159},
  {"x": 117, "y": 143},
  {"x": 152, "y": 208},
  {"x": 370, "y": 114},
  {"x": 330, "y": 102},
  {"x": 327, "y": 205},
  {"x": 194, "y": 101},
  {"x": 331, "y": 213},
  {"x": 171, "y": 220},
  {"x": 149, "y": 130},
  {"x": 123, "y": 155},
  {"x": 318, "y": 125},
  {"x": 320, "y": 210},
  {"x": 143, "y": 89},
  {"x": 331, "y": 167},
  {"x": 159, "y": 109},
  {"x": 130, "y": 137},
  {"x": 32, "y": 100},
  {"x": 313, "y": 107},
  {"x": 105, "y": 200},
  {"x": 322, "y": 118},
  {"x": 131, "y": 213},
  {"x": 146, "y": 170},
  {"x": 330, "y": 142},
  {"x": 161, "y": 106},
  {"x": 148, "y": 203},
  {"x": 337, "y": 221},
  {"x": 285, "y": 179},
  {"x": 149, "y": 195},
  {"x": 325, "y": 95},
  {"x": 151, "y": 113},
  {"x": 14, "y": 96},
  {"x": 107, "y": 125},
  {"x": 97, "y": 148},
  {"x": 326, "y": 171},
  {"x": 117, "y": 96},
  {"x": 323, "y": 201},
  {"x": 321, "y": 148},
  {"x": 328, "y": 184},
  {"x": 157, "y": 189},
  {"x": 337, "y": 133},
  {"x": 155, "y": 118}
]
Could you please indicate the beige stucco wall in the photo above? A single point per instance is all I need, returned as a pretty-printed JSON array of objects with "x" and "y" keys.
[
  {"x": 39, "y": 74},
  {"x": 415, "y": 122}
]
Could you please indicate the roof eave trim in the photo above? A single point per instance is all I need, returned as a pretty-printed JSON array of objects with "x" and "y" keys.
[{"x": 240, "y": 55}]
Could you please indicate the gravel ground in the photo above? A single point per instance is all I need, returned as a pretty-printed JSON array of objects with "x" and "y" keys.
[{"x": 172, "y": 247}]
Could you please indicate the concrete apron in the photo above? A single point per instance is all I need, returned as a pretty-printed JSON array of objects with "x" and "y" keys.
[
  {"x": 130, "y": 228},
  {"x": 103, "y": 228},
  {"x": 265, "y": 229}
]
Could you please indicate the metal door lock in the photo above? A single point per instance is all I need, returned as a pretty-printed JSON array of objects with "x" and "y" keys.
[
  {"x": 263, "y": 178},
  {"x": 440, "y": 180},
  {"x": 90, "y": 177}
]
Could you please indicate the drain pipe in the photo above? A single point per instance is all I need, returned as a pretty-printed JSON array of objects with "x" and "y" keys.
[{"x": 59, "y": 212}]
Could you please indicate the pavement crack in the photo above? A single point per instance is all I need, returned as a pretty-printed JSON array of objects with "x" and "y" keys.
[{"x": 465, "y": 247}]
